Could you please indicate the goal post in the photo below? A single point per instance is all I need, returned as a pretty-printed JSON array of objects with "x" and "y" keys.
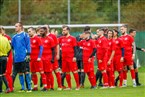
[{"x": 70, "y": 25}]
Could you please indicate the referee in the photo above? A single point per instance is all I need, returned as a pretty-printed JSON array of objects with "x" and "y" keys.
[{"x": 4, "y": 50}]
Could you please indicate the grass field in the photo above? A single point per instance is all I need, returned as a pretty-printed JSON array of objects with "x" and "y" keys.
[{"x": 86, "y": 92}]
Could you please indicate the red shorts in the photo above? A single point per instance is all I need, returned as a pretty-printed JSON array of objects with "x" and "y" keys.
[
  {"x": 9, "y": 64},
  {"x": 128, "y": 60},
  {"x": 47, "y": 66},
  {"x": 36, "y": 66},
  {"x": 103, "y": 65},
  {"x": 55, "y": 65},
  {"x": 68, "y": 65},
  {"x": 118, "y": 66},
  {"x": 110, "y": 67},
  {"x": 88, "y": 67}
]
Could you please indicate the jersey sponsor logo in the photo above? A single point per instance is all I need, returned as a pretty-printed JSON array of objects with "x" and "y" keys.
[
  {"x": 34, "y": 41},
  {"x": 69, "y": 40},
  {"x": 126, "y": 38},
  {"x": 88, "y": 44},
  {"x": 100, "y": 41},
  {"x": 110, "y": 43},
  {"x": 117, "y": 42},
  {"x": 46, "y": 41}
]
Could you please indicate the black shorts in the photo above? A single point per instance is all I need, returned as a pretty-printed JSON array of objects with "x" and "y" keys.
[
  {"x": 3, "y": 63},
  {"x": 80, "y": 64},
  {"x": 27, "y": 67},
  {"x": 20, "y": 67}
]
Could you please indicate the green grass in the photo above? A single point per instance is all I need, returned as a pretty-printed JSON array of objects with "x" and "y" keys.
[{"x": 86, "y": 92}]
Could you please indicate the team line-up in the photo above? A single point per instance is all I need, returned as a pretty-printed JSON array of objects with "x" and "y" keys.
[{"x": 41, "y": 50}]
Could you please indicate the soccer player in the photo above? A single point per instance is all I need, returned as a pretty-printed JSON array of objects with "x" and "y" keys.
[
  {"x": 79, "y": 58},
  {"x": 119, "y": 56},
  {"x": 102, "y": 51},
  {"x": 88, "y": 52},
  {"x": 80, "y": 62},
  {"x": 22, "y": 49},
  {"x": 4, "y": 50},
  {"x": 111, "y": 53},
  {"x": 68, "y": 45},
  {"x": 36, "y": 62},
  {"x": 55, "y": 64},
  {"x": 132, "y": 32},
  {"x": 8, "y": 66},
  {"x": 48, "y": 56},
  {"x": 129, "y": 55}
]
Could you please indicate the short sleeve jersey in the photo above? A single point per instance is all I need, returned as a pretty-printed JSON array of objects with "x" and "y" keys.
[
  {"x": 87, "y": 46},
  {"x": 67, "y": 45},
  {"x": 102, "y": 47},
  {"x": 48, "y": 44},
  {"x": 119, "y": 45},
  {"x": 35, "y": 46}
]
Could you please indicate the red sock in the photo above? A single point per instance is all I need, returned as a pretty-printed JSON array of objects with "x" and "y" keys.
[
  {"x": 112, "y": 78},
  {"x": 43, "y": 77},
  {"x": 35, "y": 79},
  {"x": 132, "y": 73},
  {"x": 10, "y": 81},
  {"x": 48, "y": 79},
  {"x": 109, "y": 78},
  {"x": 76, "y": 76},
  {"x": 52, "y": 80},
  {"x": 68, "y": 79},
  {"x": 105, "y": 78},
  {"x": 125, "y": 75},
  {"x": 92, "y": 78},
  {"x": 58, "y": 76},
  {"x": 121, "y": 78}
]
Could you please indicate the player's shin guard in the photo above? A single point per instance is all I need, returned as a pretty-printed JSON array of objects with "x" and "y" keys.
[
  {"x": 136, "y": 78},
  {"x": 49, "y": 79},
  {"x": 92, "y": 78},
  {"x": 5, "y": 81},
  {"x": 14, "y": 76},
  {"x": 79, "y": 73},
  {"x": 43, "y": 78},
  {"x": 82, "y": 78},
  {"x": 63, "y": 75},
  {"x": 105, "y": 79},
  {"x": 21, "y": 78},
  {"x": 10, "y": 81},
  {"x": 98, "y": 74},
  {"x": 120, "y": 78},
  {"x": 125, "y": 75},
  {"x": 52, "y": 81},
  {"x": 28, "y": 79},
  {"x": 1, "y": 83},
  {"x": 68, "y": 79},
  {"x": 35, "y": 79},
  {"x": 76, "y": 76},
  {"x": 58, "y": 76},
  {"x": 112, "y": 77},
  {"x": 132, "y": 73}
]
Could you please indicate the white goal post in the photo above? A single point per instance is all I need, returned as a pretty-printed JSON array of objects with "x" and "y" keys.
[{"x": 70, "y": 25}]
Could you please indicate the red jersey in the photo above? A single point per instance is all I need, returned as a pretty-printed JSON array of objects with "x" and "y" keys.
[
  {"x": 54, "y": 38},
  {"x": 127, "y": 41},
  {"x": 102, "y": 48},
  {"x": 47, "y": 43},
  {"x": 111, "y": 46},
  {"x": 67, "y": 45},
  {"x": 10, "y": 58},
  {"x": 8, "y": 37},
  {"x": 87, "y": 46},
  {"x": 119, "y": 45},
  {"x": 35, "y": 47}
]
